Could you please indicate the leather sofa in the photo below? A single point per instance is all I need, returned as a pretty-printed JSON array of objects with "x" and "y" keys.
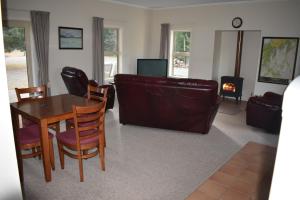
[
  {"x": 265, "y": 112},
  {"x": 169, "y": 103},
  {"x": 76, "y": 82}
]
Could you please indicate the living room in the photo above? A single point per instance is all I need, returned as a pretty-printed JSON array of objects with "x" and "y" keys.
[{"x": 140, "y": 38}]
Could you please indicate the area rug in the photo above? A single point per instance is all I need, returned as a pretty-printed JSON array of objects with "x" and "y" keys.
[{"x": 141, "y": 164}]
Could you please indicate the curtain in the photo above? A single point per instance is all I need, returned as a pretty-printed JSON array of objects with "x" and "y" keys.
[
  {"x": 98, "y": 50},
  {"x": 164, "y": 41},
  {"x": 40, "y": 29}
]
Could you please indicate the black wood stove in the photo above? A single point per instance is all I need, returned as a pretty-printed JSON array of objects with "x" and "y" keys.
[{"x": 231, "y": 87}]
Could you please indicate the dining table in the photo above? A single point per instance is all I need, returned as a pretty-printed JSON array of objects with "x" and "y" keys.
[{"x": 44, "y": 111}]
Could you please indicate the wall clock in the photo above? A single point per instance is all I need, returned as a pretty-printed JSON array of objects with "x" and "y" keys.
[{"x": 237, "y": 22}]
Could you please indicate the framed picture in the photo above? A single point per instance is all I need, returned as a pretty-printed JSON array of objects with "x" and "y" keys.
[
  {"x": 278, "y": 59},
  {"x": 70, "y": 38}
]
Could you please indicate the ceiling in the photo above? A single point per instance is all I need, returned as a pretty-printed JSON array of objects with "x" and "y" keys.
[{"x": 156, "y": 4}]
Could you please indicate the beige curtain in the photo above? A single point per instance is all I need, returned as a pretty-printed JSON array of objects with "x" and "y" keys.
[
  {"x": 40, "y": 29},
  {"x": 98, "y": 51},
  {"x": 164, "y": 41}
]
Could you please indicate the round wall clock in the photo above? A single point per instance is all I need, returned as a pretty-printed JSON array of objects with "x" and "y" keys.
[{"x": 237, "y": 22}]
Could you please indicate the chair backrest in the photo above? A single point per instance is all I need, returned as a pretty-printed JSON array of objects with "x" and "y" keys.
[
  {"x": 97, "y": 92},
  {"x": 89, "y": 121},
  {"x": 75, "y": 80},
  {"x": 31, "y": 93}
]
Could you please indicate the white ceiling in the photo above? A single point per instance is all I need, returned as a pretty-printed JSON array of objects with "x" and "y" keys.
[{"x": 156, "y": 4}]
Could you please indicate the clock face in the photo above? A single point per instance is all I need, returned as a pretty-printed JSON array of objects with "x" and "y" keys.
[{"x": 237, "y": 22}]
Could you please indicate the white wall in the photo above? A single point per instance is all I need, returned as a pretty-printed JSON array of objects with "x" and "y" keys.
[
  {"x": 285, "y": 182},
  {"x": 10, "y": 187},
  {"x": 79, "y": 13},
  {"x": 272, "y": 18}
]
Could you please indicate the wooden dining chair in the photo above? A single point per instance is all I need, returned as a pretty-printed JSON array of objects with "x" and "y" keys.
[
  {"x": 29, "y": 138},
  {"x": 32, "y": 93},
  {"x": 87, "y": 135},
  {"x": 97, "y": 93}
]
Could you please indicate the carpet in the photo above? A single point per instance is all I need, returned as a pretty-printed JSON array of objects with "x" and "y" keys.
[
  {"x": 230, "y": 107},
  {"x": 141, "y": 164}
]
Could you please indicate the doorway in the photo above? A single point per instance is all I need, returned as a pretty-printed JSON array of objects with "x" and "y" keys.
[
  {"x": 17, "y": 56},
  {"x": 225, "y": 55}
]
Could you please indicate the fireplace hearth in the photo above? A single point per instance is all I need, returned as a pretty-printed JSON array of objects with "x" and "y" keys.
[{"x": 231, "y": 87}]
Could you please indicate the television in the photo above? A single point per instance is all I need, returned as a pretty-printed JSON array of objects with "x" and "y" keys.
[{"x": 152, "y": 67}]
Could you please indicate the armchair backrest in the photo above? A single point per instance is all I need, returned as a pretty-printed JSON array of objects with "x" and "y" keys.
[{"x": 75, "y": 80}]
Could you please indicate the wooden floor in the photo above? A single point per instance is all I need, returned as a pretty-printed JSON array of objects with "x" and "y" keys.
[{"x": 246, "y": 176}]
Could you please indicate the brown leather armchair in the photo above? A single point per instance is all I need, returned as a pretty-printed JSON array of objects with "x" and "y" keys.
[
  {"x": 76, "y": 82},
  {"x": 265, "y": 112}
]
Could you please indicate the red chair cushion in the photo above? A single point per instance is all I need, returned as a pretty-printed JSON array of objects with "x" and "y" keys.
[
  {"x": 27, "y": 122},
  {"x": 30, "y": 134},
  {"x": 69, "y": 137}
]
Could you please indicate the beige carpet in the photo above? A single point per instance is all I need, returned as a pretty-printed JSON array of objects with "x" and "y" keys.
[
  {"x": 145, "y": 163},
  {"x": 230, "y": 107}
]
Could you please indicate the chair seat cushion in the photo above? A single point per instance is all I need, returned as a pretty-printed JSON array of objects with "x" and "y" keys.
[
  {"x": 27, "y": 122},
  {"x": 69, "y": 137},
  {"x": 31, "y": 134}
]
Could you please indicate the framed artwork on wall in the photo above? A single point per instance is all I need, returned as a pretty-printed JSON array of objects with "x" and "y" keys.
[
  {"x": 70, "y": 38},
  {"x": 278, "y": 59}
]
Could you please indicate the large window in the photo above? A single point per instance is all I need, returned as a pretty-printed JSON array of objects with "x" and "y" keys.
[
  {"x": 111, "y": 53},
  {"x": 180, "y": 53}
]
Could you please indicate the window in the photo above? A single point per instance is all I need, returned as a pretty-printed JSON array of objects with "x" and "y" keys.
[
  {"x": 111, "y": 53},
  {"x": 180, "y": 53}
]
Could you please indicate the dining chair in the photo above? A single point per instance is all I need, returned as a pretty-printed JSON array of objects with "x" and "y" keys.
[
  {"x": 29, "y": 138},
  {"x": 87, "y": 135},
  {"x": 96, "y": 93},
  {"x": 29, "y": 94}
]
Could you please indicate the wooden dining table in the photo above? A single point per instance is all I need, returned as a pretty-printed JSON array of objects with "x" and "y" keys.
[{"x": 43, "y": 112}]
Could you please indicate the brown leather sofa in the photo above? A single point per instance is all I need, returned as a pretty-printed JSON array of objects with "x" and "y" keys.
[
  {"x": 178, "y": 104},
  {"x": 265, "y": 112},
  {"x": 76, "y": 82}
]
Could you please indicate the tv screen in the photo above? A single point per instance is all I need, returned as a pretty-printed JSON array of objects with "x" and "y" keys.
[{"x": 152, "y": 67}]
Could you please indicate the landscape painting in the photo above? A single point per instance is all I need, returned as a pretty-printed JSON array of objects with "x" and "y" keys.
[
  {"x": 70, "y": 38},
  {"x": 278, "y": 59}
]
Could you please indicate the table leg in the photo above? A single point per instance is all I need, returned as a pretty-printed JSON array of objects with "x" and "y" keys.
[
  {"x": 45, "y": 150},
  {"x": 15, "y": 123}
]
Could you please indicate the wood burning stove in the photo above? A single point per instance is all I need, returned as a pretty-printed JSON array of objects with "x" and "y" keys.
[{"x": 231, "y": 87}]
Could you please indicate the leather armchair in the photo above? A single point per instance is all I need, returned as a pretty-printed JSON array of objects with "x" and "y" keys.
[
  {"x": 265, "y": 112},
  {"x": 76, "y": 82}
]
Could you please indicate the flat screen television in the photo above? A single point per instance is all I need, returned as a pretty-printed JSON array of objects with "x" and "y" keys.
[{"x": 152, "y": 67}]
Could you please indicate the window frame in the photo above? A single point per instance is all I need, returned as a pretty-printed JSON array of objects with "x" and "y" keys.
[
  {"x": 174, "y": 53},
  {"x": 114, "y": 53}
]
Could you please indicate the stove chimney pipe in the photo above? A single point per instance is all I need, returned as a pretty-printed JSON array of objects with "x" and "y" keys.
[{"x": 239, "y": 47}]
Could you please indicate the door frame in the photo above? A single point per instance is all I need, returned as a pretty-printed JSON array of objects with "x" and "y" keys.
[{"x": 27, "y": 26}]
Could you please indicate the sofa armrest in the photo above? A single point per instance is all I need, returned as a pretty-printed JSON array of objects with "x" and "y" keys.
[
  {"x": 264, "y": 102},
  {"x": 275, "y": 98}
]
